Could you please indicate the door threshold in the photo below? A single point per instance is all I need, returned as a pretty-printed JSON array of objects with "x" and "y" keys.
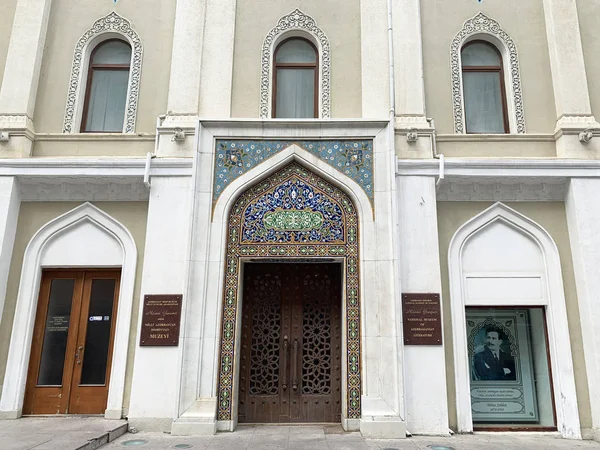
[
  {"x": 293, "y": 424},
  {"x": 64, "y": 416}
]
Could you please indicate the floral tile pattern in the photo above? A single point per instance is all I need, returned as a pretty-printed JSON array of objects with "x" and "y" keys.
[
  {"x": 354, "y": 158},
  {"x": 293, "y": 214}
]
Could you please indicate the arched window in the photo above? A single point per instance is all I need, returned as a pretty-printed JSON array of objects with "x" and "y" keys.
[
  {"x": 483, "y": 88},
  {"x": 295, "y": 79},
  {"x": 106, "y": 91}
]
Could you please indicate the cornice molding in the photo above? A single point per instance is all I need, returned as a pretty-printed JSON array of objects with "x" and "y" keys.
[
  {"x": 95, "y": 167},
  {"x": 500, "y": 167}
]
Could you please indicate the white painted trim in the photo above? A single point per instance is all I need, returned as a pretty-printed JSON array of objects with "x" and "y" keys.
[
  {"x": 95, "y": 167},
  {"x": 13, "y": 392},
  {"x": 567, "y": 414},
  {"x": 501, "y": 167}
]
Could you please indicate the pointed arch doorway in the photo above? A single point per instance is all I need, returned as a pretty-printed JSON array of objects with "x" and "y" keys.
[{"x": 290, "y": 324}]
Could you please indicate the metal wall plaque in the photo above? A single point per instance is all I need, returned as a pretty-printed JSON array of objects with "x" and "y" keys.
[
  {"x": 160, "y": 321},
  {"x": 422, "y": 319}
]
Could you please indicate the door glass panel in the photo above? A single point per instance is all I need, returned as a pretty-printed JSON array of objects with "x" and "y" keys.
[
  {"x": 97, "y": 339},
  {"x": 56, "y": 332}
]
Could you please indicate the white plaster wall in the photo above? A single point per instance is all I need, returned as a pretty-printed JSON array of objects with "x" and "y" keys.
[
  {"x": 583, "y": 217},
  {"x": 424, "y": 366},
  {"x": 10, "y": 202},
  {"x": 156, "y": 369}
]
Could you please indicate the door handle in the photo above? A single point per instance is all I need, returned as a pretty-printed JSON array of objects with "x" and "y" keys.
[
  {"x": 295, "y": 366},
  {"x": 284, "y": 363},
  {"x": 79, "y": 353}
]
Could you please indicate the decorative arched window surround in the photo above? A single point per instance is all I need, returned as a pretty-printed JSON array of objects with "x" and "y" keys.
[
  {"x": 565, "y": 397},
  {"x": 481, "y": 27},
  {"x": 55, "y": 245},
  {"x": 296, "y": 24},
  {"x": 112, "y": 26}
]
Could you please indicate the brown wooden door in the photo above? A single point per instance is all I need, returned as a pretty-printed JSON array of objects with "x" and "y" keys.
[
  {"x": 71, "y": 350},
  {"x": 290, "y": 367}
]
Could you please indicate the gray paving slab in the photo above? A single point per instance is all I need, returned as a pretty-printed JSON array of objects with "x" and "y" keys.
[
  {"x": 334, "y": 438},
  {"x": 58, "y": 433}
]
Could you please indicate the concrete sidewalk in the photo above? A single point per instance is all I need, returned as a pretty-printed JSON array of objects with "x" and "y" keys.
[
  {"x": 77, "y": 433},
  {"x": 333, "y": 438},
  {"x": 59, "y": 433}
]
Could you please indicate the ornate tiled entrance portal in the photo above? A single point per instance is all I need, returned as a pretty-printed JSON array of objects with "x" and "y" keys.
[{"x": 293, "y": 215}]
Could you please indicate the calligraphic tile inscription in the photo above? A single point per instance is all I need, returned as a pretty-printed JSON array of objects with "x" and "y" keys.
[
  {"x": 161, "y": 320},
  {"x": 422, "y": 320}
]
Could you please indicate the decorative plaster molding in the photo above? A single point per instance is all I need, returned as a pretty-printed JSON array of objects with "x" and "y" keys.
[
  {"x": 16, "y": 121},
  {"x": 482, "y": 24},
  {"x": 112, "y": 23},
  {"x": 508, "y": 189},
  {"x": 82, "y": 189},
  {"x": 296, "y": 20}
]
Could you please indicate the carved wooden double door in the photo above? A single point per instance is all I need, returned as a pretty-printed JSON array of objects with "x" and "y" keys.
[{"x": 290, "y": 368}]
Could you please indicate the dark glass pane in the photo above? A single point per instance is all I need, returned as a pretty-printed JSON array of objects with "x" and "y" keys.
[
  {"x": 483, "y": 102},
  {"x": 97, "y": 339},
  {"x": 56, "y": 332},
  {"x": 112, "y": 52},
  {"x": 295, "y": 93},
  {"x": 296, "y": 51},
  {"x": 480, "y": 54}
]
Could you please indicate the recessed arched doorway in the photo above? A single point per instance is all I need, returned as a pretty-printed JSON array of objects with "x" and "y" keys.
[{"x": 292, "y": 250}]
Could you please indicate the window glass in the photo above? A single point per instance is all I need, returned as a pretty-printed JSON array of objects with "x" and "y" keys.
[
  {"x": 97, "y": 339},
  {"x": 56, "y": 332},
  {"x": 510, "y": 374},
  {"x": 295, "y": 79},
  {"x": 296, "y": 51},
  {"x": 483, "y": 89},
  {"x": 295, "y": 93},
  {"x": 106, "y": 95},
  {"x": 112, "y": 52},
  {"x": 483, "y": 102},
  {"x": 480, "y": 54}
]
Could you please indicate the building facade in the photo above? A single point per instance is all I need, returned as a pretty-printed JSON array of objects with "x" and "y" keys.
[{"x": 379, "y": 213}]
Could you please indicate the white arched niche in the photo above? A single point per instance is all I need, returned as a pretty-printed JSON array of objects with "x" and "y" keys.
[
  {"x": 84, "y": 237},
  {"x": 502, "y": 258}
]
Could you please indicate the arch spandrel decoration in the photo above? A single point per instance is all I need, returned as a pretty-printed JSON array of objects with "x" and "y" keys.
[
  {"x": 235, "y": 157},
  {"x": 483, "y": 25},
  {"x": 296, "y": 20},
  {"x": 292, "y": 214},
  {"x": 111, "y": 23}
]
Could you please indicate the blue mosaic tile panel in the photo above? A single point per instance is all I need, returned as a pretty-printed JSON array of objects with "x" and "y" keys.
[
  {"x": 354, "y": 158},
  {"x": 293, "y": 196}
]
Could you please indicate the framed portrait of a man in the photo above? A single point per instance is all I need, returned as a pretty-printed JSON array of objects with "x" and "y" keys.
[{"x": 502, "y": 381}]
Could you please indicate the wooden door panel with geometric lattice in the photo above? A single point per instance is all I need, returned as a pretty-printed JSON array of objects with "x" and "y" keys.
[{"x": 290, "y": 367}]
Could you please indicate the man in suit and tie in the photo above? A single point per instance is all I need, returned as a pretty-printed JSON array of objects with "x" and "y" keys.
[{"x": 492, "y": 363}]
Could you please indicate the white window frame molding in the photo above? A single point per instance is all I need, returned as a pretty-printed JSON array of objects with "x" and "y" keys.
[
  {"x": 563, "y": 377},
  {"x": 296, "y": 24},
  {"x": 108, "y": 27},
  {"x": 484, "y": 28},
  {"x": 13, "y": 392}
]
